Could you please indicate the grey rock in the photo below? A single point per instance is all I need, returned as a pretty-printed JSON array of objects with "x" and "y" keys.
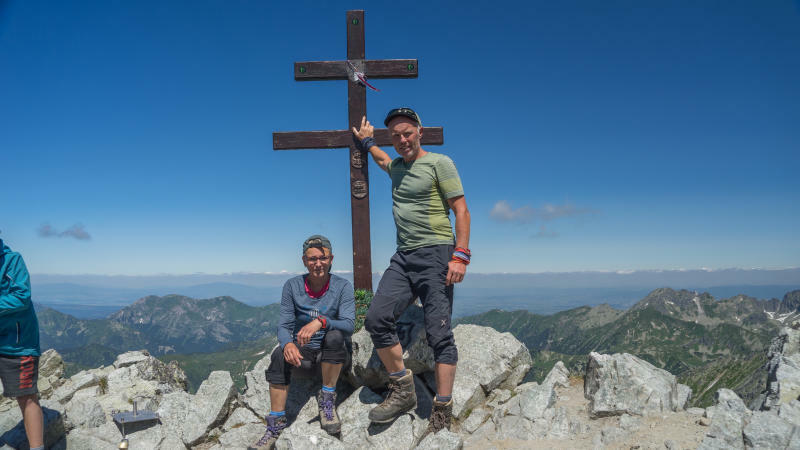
[
  {"x": 609, "y": 435},
  {"x": 558, "y": 376},
  {"x": 80, "y": 380},
  {"x": 487, "y": 360},
  {"x": 669, "y": 444},
  {"x": 83, "y": 410},
  {"x": 444, "y": 440},
  {"x": 474, "y": 420},
  {"x": 783, "y": 370},
  {"x": 256, "y": 395},
  {"x": 192, "y": 416},
  {"x": 790, "y": 412},
  {"x": 15, "y": 437},
  {"x": 303, "y": 436},
  {"x": 357, "y": 432},
  {"x": 728, "y": 418},
  {"x": 696, "y": 411},
  {"x": 242, "y": 436},
  {"x": 533, "y": 402},
  {"x": 767, "y": 431},
  {"x": 240, "y": 417},
  {"x": 564, "y": 425},
  {"x": 481, "y": 437},
  {"x": 497, "y": 397},
  {"x": 150, "y": 436},
  {"x": 51, "y": 370},
  {"x": 131, "y": 358},
  {"x": 622, "y": 383},
  {"x": 684, "y": 396}
]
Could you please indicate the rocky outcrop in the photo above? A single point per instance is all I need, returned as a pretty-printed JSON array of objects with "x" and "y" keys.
[
  {"x": 783, "y": 371},
  {"x": 621, "y": 383},
  {"x": 775, "y": 423},
  {"x": 623, "y": 402}
]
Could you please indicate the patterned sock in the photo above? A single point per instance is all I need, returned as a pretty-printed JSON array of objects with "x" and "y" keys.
[
  {"x": 328, "y": 389},
  {"x": 401, "y": 373},
  {"x": 443, "y": 398},
  {"x": 277, "y": 413}
]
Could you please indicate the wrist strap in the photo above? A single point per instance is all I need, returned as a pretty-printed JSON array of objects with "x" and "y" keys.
[
  {"x": 323, "y": 321},
  {"x": 367, "y": 142}
]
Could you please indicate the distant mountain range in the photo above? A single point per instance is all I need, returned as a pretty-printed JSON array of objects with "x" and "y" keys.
[
  {"x": 97, "y": 296},
  {"x": 706, "y": 342},
  {"x": 702, "y": 340},
  {"x": 166, "y": 325}
]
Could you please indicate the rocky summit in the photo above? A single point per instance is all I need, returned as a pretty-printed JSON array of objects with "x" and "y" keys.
[{"x": 619, "y": 401}]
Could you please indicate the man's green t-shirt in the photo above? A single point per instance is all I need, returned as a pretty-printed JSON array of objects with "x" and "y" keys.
[{"x": 420, "y": 190}]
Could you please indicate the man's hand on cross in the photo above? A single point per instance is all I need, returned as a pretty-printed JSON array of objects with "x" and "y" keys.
[{"x": 366, "y": 130}]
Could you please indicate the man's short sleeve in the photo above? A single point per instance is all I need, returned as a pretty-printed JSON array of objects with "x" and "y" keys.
[{"x": 447, "y": 176}]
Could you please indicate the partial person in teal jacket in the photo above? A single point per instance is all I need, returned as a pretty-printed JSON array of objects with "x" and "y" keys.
[{"x": 19, "y": 343}]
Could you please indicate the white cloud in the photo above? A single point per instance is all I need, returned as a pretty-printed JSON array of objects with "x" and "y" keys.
[
  {"x": 76, "y": 231},
  {"x": 502, "y": 211}
]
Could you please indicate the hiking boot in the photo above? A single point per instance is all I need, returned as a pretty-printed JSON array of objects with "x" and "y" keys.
[
  {"x": 401, "y": 398},
  {"x": 441, "y": 416},
  {"x": 328, "y": 419},
  {"x": 274, "y": 427}
]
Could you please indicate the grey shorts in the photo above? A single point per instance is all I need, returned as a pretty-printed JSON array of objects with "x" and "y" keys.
[
  {"x": 421, "y": 272},
  {"x": 19, "y": 375}
]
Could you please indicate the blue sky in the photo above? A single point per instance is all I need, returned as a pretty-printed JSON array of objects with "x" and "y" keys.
[{"x": 135, "y": 137}]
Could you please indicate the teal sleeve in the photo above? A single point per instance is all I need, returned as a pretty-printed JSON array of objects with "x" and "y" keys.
[{"x": 18, "y": 295}]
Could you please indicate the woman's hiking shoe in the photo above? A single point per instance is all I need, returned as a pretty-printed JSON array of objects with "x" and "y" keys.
[
  {"x": 401, "y": 398},
  {"x": 274, "y": 427},
  {"x": 328, "y": 419}
]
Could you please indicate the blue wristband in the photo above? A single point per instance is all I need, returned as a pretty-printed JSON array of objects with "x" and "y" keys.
[{"x": 367, "y": 142}]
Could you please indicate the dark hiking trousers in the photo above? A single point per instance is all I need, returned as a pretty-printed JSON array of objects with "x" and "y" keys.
[
  {"x": 422, "y": 273},
  {"x": 334, "y": 351}
]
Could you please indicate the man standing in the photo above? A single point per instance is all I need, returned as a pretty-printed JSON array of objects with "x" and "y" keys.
[
  {"x": 425, "y": 187},
  {"x": 318, "y": 311},
  {"x": 19, "y": 343}
]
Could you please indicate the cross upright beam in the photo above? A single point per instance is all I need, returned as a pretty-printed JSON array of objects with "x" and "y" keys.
[{"x": 356, "y": 109}]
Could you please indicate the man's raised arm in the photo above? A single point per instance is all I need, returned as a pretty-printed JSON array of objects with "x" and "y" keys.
[{"x": 365, "y": 137}]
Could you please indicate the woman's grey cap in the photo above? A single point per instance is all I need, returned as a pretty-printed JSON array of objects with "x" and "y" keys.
[{"x": 317, "y": 241}]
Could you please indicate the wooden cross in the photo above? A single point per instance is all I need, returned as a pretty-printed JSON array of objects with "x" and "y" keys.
[{"x": 357, "y": 108}]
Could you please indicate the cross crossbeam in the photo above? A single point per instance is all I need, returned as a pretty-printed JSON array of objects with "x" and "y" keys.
[{"x": 356, "y": 108}]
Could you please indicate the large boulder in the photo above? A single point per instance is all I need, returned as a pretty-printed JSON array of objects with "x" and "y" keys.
[
  {"x": 256, "y": 394},
  {"x": 487, "y": 359},
  {"x": 51, "y": 371},
  {"x": 367, "y": 369},
  {"x": 622, "y": 383},
  {"x": 767, "y": 431},
  {"x": 783, "y": 370},
  {"x": 15, "y": 437},
  {"x": 192, "y": 416},
  {"x": 728, "y": 418}
]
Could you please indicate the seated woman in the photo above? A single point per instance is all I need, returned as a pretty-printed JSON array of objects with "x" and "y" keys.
[{"x": 317, "y": 315}]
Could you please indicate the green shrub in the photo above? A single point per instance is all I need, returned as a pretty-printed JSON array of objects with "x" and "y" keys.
[{"x": 363, "y": 299}]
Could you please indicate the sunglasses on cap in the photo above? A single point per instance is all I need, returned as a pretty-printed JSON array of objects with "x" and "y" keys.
[{"x": 405, "y": 112}]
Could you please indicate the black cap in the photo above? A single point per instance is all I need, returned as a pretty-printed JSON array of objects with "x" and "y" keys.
[
  {"x": 317, "y": 241},
  {"x": 405, "y": 112}
]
